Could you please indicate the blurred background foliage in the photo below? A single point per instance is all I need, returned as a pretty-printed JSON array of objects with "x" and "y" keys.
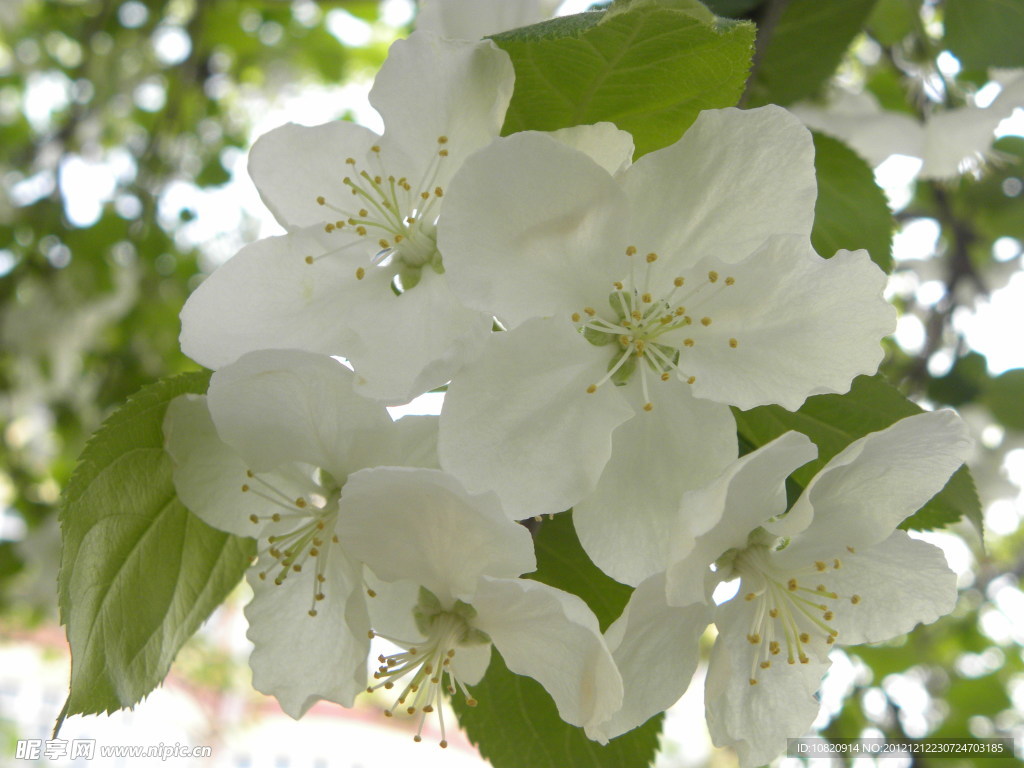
[{"x": 123, "y": 132}]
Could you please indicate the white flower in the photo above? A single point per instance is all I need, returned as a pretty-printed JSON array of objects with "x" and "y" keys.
[
  {"x": 473, "y": 19},
  {"x": 266, "y": 454},
  {"x": 358, "y": 274},
  {"x": 449, "y": 564},
  {"x": 832, "y": 570},
  {"x": 948, "y": 142},
  {"x": 640, "y": 302}
]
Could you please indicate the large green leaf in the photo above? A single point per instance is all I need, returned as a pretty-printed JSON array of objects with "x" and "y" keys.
[
  {"x": 649, "y": 67},
  {"x": 1005, "y": 398},
  {"x": 835, "y": 421},
  {"x": 139, "y": 572},
  {"x": 804, "y": 47},
  {"x": 516, "y": 723},
  {"x": 985, "y": 33},
  {"x": 851, "y": 211}
]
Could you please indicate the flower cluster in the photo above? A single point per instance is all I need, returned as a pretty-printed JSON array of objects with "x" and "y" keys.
[{"x": 593, "y": 319}]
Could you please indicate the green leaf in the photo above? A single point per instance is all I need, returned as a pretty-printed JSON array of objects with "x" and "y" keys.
[
  {"x": 139, "y": 572},
  {"x": 648, "y": 67},
  {"x": 516, "y": 723},
  {"x": 893, "y": 20},
  {"x": 1005, "y": 398},
  {"x": 851, "y": 211},
  {"x": 834, "y": 421},
  {"x": 804, "y": 48},
  {"x": 985, "y": 33}
]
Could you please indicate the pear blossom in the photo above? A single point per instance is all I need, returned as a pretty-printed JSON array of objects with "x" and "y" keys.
[
  {"x": 947, "y": 141},
  {"x": 447, "y": 565},
  {"x": 473, "y": 19},
  {"x": 833, "y": 570},
  {"x": 358, "y": 273},
  {"x": 640, "y": 301},
  {"x": 266, "y": 454}
]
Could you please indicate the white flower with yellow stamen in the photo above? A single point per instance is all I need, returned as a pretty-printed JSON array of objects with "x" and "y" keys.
[
  {"x": 359, "y": 274},
  {"x": 833, "y": 570},
  {"x": 641, "y": 301},
  {"x": 448, "y": 562},
  {"x": 266, "y": 454}
]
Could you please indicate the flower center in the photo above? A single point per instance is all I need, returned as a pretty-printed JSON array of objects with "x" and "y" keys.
[
  {"x": 429, "y": 667},
  {"x": 789, "y": 617},
  {"x": 302, "y": 531},
  {"x": 397, "y": 217},
  {"x": 649, "y": 328}
]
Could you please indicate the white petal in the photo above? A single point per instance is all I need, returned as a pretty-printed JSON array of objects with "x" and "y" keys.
[
  {"x": 656, "y": 456},
  {"x": 412, "y": 442},
  {"x": 519, "y": 420},
  {"x": 898, "y": 583},
  {"x": 954, "y": 136},
  {"x": 295, "y": 164},
  {"x": 430, "y": 87},
  {"x": 209, "y": 475},
  {"x": 532, "y": 228},
  {"x": 412, "y": 343},
  {"x": 721, "y": 515},
  {"x": 605, "y": 144},
  {"x": 419, "y": 524},
  {"x": 268, "y": 297},
  {"x": 473, "y": 19},
  {"x": 803, "y": 325},
  {"x": 869, "y": 488},
  {"x": 553, "y": 637},
  {"x": 756, "y": 719},
  {"x": 735, "y": 178},
  {"x": 280, "y": 406},
  {"x": 299, "y": 658},
  {"x": 656, "y": 648}
]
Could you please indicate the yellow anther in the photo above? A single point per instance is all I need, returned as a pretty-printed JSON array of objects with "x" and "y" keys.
[
  {"x": 618, "y": 285},
  {"x": 350, "y": 160},
  {"x": 624, "y": 341},
  {"x": 754, "y": 639},
  {"x": 665, "y": 319},
  {"x": 753, "y": 681},
  {"x": 713, "y": 276},
  {"x": 749, "y": 596},
  {"x": 665, "y": 376},
  {"x": 375, "y": 148},
  {"x": 855, "y": 599},
  {"x": 245, "y": 488},
  {"x": 636, "y": 315},
  {"x": 398, "y": 239},
  {"x": 442, "y": 139},
  {"x": 837, "y": 564},
  {"x": 371, "y": 593},
  {"x": 576, "y": 317},
  {"x": 590, "y": 311},
  {"x": 733, "y": 343},
  {"x": 651, "y": 258},
  {"x": 830, "y": 639},
  {"x": 688, "y": 342},
  {"x": 774, "y": 613},
  {"x": 804, "y": 637},
  {"x": 851, "y": 550},
  {"x": 438, "y": 192},
  {"x": 765, "y": 664},
  {"x": 648, "y": 406},
  {"x": 680, "y": 311},
  {"x": 773, "y": 648},
  {"x": 339, "y": 224},
  {"x": 312, "y": 611},
  {"x": 253, "y": 519},
  {"x": 360, "y": 273},
  {"x": 300, "y": 502},
  {"x": 314, "y": 552},
  {"x": 691, "y": 380},
  {"x": 631, "y": 250},
  {"x": 792, "y": 585},
  {"x": 377, "y": 179},
  {"x": 678, "y": 282},
  {"x": 821, "y": 565},
  {"x": 363, "y": 212},
  {"x": 591, "y": 389},
  {"x": 276, "y": 517},
  {"x": 730, "y": 281},
  {"x": 646, "y": 298},
  {"x": 443, "y": 152},
  {"x": 328, "y": 227},
  {"x": 705, "y": 321},
  {"x": 361, "y": 231},
  {"x": 803, "y": 658},
  {"x": 321, "y": 200},
  {"x": 425, "y": 195},
  {"x": 828, "y": 615}
]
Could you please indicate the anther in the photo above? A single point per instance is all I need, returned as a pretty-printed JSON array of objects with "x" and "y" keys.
[
  {"x": 321, "y": 200},
  {"x": 360, "y": 273},
  {"x": 591, "y": 389},
  {"x": 651, "y": 258},
  {"x": 765, "y": 664},
  {"x": 688, "y": 342},
  {"x": 309, "y": 259},
  {"x": 678, "y": 282},
  {"x": 648, "y": 406},
  {"x": 631, "y": 250},
  {"x": 705, "y": 321},
  {"x": 730, "y": 281},
  {"x": 855, "y": 599},
  {"x": 713, "y": 276},
  {"x": 733, "y": 343},
  {"x": 792, "y": 585}
]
